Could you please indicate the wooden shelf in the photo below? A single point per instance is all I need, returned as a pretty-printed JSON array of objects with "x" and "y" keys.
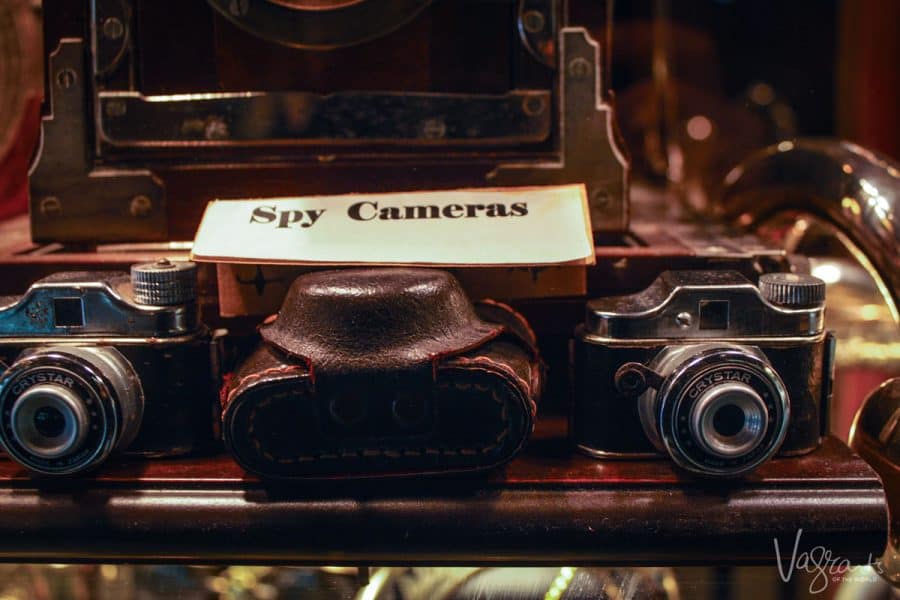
[{"x": 547, "y": 506}]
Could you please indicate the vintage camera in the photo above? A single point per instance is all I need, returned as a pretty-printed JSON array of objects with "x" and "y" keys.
[
  {"x": 706, "y": 367},
  {"x": 383, "y": 372},
  {"x": 100, "y": 362},
  {"x": 155, "y": 107}
]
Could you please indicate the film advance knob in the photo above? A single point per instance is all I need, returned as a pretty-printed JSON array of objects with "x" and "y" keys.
[
  {"x": 164, "y": 282},
  {"x": 792, "y": 290}
]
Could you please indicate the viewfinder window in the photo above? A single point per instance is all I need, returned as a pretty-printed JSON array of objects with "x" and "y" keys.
[
  {"x": 714, "y": 314},
  {"x": 68, "y": 312}
]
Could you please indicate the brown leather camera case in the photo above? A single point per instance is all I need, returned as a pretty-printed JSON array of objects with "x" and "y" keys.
[{"x": 383, "y": 372}]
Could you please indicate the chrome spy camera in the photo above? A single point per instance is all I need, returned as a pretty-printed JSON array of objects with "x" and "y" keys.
[
  {"x": 101, "y": 362},
  {"x": 706, "y": 367}
]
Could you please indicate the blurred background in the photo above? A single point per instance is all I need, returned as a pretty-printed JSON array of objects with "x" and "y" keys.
[
  {"x": 111, "y": 582},
  {"x": 700, "y": 85}
]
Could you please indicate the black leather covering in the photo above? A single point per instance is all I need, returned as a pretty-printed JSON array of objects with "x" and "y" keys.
[{"x": 383, "y": 372}]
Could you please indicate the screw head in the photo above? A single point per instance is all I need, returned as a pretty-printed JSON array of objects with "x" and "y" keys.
[
  {"x": 533, "y": 21},
  {"x": 113, "y": 28},
  {"x": 579, "y": 68},
  {"x": 66, "y": 78},
  {"x": 50, "y": 206},
  {"x": 141, "y": 206},
  {"x": 216, "y": 129},
  {"x": 115, "y": 108},
  {"x": 600, "y": 198},
  {"x": 434, "y": 129},
  {"x": 533, "y": 106},
  {"x": 684, "y": 320}
]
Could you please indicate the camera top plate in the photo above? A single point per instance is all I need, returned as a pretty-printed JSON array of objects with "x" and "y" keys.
[{"x": 698, "y": 305}]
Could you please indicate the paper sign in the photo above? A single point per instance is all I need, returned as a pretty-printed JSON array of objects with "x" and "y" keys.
[{"x": 482, "y": 227}]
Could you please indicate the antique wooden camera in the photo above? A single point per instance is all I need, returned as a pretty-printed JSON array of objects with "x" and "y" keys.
[{"x": 153, "y": 108}]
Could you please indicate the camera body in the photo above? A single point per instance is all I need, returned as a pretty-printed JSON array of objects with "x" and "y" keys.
[
  {"x": 100, "y": 362},
  {"x": 706, "y": 367}
]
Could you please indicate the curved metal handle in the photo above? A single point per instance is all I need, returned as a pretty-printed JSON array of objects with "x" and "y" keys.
[
  {"x": 875, "y": 436},
  {"x": 855, "y": 189}
]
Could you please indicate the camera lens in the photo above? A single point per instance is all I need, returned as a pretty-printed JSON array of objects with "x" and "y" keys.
[
  {"x": 721, "y": 409},
  {"x": 63, "y": 410},
  {"x": 729, "y": 420},
  {"x": 49, "y": 420}
]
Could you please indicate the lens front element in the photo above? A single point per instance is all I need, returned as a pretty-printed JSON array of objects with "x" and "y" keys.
[
  {"x": 50, "y": 420},
  {"x": 63, "y": 410},
  {"x": 729, "y": 420}
]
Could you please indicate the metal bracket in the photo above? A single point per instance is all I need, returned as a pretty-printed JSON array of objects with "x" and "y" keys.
[
  {"x": 590, "y": 151},
  {"x": 131, "y": 120},
  {"x": 69, "y": 194},
  {"x": 633, "y": 379}
]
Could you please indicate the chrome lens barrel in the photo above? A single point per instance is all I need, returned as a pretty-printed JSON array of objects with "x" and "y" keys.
[
  {"x": 64, "y": 410},
  {"x": 730, "y": 420},
  {"x": 721, "y": 410},
  {"x": 50, "y": 421}
]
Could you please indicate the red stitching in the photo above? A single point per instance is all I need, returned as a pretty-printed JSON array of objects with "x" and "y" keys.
[
  {"x": 223, "y": 391},
  {"x": 258, "y": 375},
  {"x": 482, "y": 361},
  {"x": 517, "y": 315}
]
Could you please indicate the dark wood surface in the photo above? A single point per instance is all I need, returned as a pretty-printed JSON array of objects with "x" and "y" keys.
[{"x": 547, "y": 506}]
